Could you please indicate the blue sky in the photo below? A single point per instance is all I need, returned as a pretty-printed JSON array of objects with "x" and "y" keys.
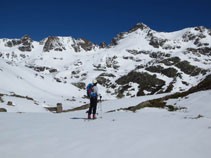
[{"x": 98, "y": 20}]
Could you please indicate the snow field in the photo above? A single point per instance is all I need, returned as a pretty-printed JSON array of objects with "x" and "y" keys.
[{"x": 150, "y": 132}]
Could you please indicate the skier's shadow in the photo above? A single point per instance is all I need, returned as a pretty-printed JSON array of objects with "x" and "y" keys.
[{"x": 78, "y": 118}]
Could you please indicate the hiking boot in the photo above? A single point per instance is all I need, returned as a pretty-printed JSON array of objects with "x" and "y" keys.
[
  {"x": 89, "y": 116},
  {"x": 94, "y": 116}
]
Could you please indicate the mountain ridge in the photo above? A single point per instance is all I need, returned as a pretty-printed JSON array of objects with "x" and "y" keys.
[
  {"x": 136, "y": 63},
  {"x": 136, "y": 27}
]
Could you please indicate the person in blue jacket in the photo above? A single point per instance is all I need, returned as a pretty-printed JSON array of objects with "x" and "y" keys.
[{"x": 93, "y": 100}]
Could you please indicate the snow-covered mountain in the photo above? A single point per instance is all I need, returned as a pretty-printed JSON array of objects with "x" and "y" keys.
[
  {"x": 139, "y": 62},
  {"x": 163, "y": 80}
]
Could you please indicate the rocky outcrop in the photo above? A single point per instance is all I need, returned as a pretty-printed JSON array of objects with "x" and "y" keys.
[
  {"x": 140, "y": 26},
  {"x": 80, "y": 85},
  {"x": 111, "y": 62},
  {"x": 103, "y": 81},
  {"x": 157, "y": 42},
  {"x": 24, "y": 44},
  {"x": 169, "y": 72},
  {"x": 83, "y": 44},
  {"x": 42, "y": 68},
  {"x": 53, "y": 43},
  {"x": 200, "y": 28},
  {"x": 86, "y": 44},
  {"x": 103, "y": 45},
  {"x": 115, "y": 40},
  {"x": 157, "y": 69},
  {"x": 170, "y": 61},
  {"x": 204, "y": 50},
  {"x": 3, "y": 110},
  {"x": 107, "y": 75},
  {"x": 189, "y": 69},
  {"x": 146, "y": 82}
]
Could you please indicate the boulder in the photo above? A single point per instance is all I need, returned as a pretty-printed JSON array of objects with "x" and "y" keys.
[
  {"x": 10, "y": 103},
  {"x": 3, "y": 110}
]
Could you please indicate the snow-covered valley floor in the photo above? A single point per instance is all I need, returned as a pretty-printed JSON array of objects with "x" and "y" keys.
[{"x": 147, "y": 133}]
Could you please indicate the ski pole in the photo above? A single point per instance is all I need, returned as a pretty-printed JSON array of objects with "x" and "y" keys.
[{"x": 101, "y": 108}]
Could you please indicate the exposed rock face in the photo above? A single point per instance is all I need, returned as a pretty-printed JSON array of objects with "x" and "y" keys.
[
  {"x": 86, "y": 44},
  {"x": 103, "y": 45},
  {"x": 111, "y": 62},
  {"x": 171, "y": 61},
  {"x": 80, "y": 85},
  {"x": 169, "y": 72},
  {"x": 146, "y": 82},
  {"x": 204, "y": 50},
  {"x": 107, "y": 75},
  {"x": 200, "y": 28},
  {"x": 189, "y": 36},
  {"x": 141, "y": 26},
  {"x": 115, "y": 40},
  {"x": 83, "y": 44},
  {"x": 157, "y": 68},
  {"x": 157, "y": 42},
  {"x": 103, "y": 81},
  {"x": 25, "y": 43},
  {"x": 42, "y": 68},
  {"x": 53, "y": 43},
  {"x": 189, "y": 69}
]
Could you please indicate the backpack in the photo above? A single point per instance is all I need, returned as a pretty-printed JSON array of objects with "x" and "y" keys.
[{"x": 89, "y": 89}]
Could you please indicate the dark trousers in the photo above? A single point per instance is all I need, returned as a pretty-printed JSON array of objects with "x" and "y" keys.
[{"x": 93, "y": 106}]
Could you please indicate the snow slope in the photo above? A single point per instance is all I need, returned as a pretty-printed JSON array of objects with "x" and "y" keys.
[
  {"x": 150, "y": 132},
  {"x": 57, "y": 69}
]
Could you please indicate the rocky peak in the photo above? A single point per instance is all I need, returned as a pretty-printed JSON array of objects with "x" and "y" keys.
[
  {"x": 121, "y": 35},
  {"x": 53, "y": 43},
  {"x": 84, "y": 44},
  {"x": 140, "y": 26},
  {"x": 26, "y": 38},
  {"x": 200, "y": 28},
  {"x": 103, "y": 45},
  {"x": 25, "y": 43}
]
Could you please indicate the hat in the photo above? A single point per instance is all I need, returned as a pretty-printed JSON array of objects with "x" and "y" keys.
[{"x": 94, "y": 81}]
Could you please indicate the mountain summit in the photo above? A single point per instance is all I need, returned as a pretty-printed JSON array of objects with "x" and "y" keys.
[{"x": 139, "y": 62}]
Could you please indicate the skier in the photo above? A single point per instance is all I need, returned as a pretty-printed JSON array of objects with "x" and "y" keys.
[{"x": 93, "y": 94}]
